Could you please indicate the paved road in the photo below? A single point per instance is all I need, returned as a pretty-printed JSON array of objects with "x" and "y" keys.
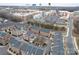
[
  {"x": 3, "y": 50},
  {"x": 70, "y": 42}
]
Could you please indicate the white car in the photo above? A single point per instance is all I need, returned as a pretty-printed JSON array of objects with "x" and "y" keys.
[{"x": 5, "y": 20}]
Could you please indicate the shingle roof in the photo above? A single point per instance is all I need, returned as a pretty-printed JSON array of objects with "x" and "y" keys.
[
  {"x": 2, "y": 33},
  {"x": 15, "y": 43}
]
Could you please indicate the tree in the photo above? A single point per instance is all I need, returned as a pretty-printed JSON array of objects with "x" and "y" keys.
[
  {"x": 49, "y": 4},
  {"x": 56, "y": 28},
  {"x": 63, "y": 28}
]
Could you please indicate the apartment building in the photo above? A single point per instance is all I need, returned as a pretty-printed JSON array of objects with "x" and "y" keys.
[
  {"x": 24, "y": 14},
  {"x": 14, "y": 46}
]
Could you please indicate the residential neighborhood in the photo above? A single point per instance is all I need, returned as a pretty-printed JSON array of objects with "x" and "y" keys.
[{"x": 38, "y": 31}]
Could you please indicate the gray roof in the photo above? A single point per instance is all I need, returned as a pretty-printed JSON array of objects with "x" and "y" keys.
[
  {"x": 54, "y": 19},
  {"x": 10, "y": 23},
  {"x": 15, "y": 43},
  {"x": 51, "y": 19},
  {"x": 29, "y": 33},
  {"x": 2, "y": 33},
  {"x": 42, "y": 29},
  {"x": 7, "y": 24}
]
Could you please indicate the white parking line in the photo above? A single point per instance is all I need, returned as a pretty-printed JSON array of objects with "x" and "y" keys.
[{"x": 67, "y": 32}]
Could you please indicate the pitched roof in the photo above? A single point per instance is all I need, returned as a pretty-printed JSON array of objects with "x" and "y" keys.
[
  {"x": 2, "y": 33},
  {"x": 15, "y": 43}
]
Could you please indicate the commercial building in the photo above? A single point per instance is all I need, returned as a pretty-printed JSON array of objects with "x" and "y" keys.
[{"x": 24, "y": 14}]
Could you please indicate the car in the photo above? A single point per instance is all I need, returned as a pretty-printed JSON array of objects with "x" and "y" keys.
[
  {"x": 5, "y": 20},
  {"x": 52, "y": 44}
]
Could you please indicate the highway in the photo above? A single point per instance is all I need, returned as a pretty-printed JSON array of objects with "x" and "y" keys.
[{"x": 70, "y": 43}]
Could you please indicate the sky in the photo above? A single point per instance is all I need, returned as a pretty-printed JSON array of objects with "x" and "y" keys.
[{"x": 44, "y": 2}]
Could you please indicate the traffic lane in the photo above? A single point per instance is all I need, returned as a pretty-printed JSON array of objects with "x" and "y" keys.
[
  {"x": 70, "y": 46},
  {"x": 71, "y": 49}
]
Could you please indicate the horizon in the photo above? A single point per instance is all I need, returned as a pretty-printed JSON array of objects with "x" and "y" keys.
[
  {"x": 43, "y": 4},
  {"x": 37, "y": 2}
]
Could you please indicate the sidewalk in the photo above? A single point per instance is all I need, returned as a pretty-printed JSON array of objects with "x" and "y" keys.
[
  {"x": 65, "y": 45},
  {"x": 75, "y": 43}
]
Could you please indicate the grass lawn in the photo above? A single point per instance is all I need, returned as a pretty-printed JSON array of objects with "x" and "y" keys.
[{"x": 48, "y": 26}]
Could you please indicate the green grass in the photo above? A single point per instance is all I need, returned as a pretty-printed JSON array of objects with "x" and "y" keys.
[{"x": 48, "y": 26}]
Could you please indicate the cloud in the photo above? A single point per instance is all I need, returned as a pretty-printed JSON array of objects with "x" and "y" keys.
[
  {"x": 39, "y": 1},
  {"x": 44, "y": 2}
]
